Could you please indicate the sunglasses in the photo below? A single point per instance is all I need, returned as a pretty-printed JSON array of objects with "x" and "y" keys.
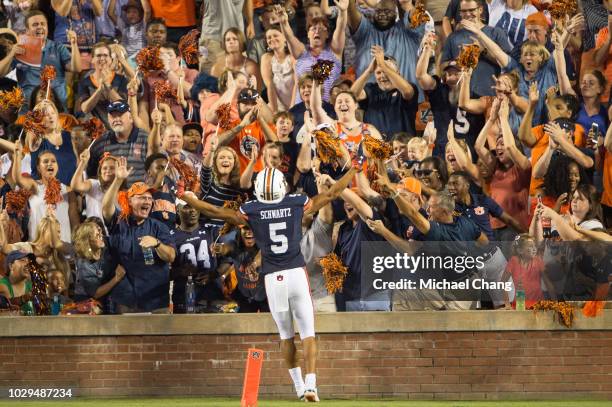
[{"x": 424, "y": 173}]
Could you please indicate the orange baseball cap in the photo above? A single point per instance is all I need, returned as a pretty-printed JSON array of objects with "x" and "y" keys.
[
  {"x": 139, "y": 188},
  {"x": 537, "y": 19},
  {"x": 411, "y": 184}
]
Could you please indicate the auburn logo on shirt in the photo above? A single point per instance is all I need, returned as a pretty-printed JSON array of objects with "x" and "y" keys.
[
  {"x": 479, "y": 211},
  {"x": 246, "y": 145}
]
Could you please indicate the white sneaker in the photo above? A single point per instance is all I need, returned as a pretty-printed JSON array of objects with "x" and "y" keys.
[{"x": 311, "y": 396}]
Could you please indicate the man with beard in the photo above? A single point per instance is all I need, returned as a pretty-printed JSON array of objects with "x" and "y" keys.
[
  {"x": 471, "y": 17},
  {"x": 53, "y": 53},
  {"x": 247, "y": 132},
  {"x": 395, "y": 37},
  {"x": 391, "y": 103},
  {"x": 443, "y": 95},
  {"x": 193, "y": 258},
  {"x": 101, "y": 86},
  {"x": 123, "y": 140},
  {"x": 132, "y": 232}
]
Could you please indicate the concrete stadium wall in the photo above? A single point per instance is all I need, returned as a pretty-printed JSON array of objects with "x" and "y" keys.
[{"x": 444, "y": 355}]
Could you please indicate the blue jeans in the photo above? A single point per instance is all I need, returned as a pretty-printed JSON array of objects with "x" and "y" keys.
[{"x": 379, "y": 301}]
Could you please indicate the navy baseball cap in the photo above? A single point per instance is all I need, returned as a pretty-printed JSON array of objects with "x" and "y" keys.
[
  {"x": 118, "y": 107},
  {"x": 194, "y": 126},
  {"x": 15, "y": 255}
]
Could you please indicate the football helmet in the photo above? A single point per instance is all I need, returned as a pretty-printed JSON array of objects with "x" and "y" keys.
[{"x": 270, "y": 186}]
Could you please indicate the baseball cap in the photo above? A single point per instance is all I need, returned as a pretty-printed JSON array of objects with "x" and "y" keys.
[
  {"x": 411, "y": 184},
  {"x": 15, "y": 255},
  {"x": 193, "y": 126},
  {"x": 248, "y": 95},
  {"x": 537, "y": 19},
  {"x": 118, "y": 107},
  {"x": 139, "y": 188},
  {"x": 450, "y": 64}
]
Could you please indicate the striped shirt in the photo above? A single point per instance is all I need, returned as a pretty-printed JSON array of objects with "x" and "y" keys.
[
  {"x": 134, "y": 149},
  {"x": 304, "y": 65},
  {"x": 215, "y": 194}
]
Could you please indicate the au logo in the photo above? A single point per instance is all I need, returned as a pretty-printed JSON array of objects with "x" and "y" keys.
[{"x": 279, "y": 277}]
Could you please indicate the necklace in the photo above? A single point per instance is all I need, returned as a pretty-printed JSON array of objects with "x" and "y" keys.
[{"x": 350, "y": 128}]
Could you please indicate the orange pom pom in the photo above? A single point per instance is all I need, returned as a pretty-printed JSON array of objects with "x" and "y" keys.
[
  {"x": 468, "y": 57},
  {"x": 593, "y": 308},
  {"x": 334, "y": 272},
  {"x": 376, "y": 148},
  {"x": 187, "y": 174},
  {"x": 16, "y": 202},
  {"x": 234, "y": 205},
  {"x": 564, "y": 312},
  {"x": 33, "y": 122},
  {"x": 11, "y": 99},
  {"x": 188, "y": 47},
  {"x": 223, "y": 116},
  {"x": 94, "y": 127},
  {"x": 53, "y": 192},
  {"x": 328, "y": 146},
  {"x": 164, "y": 92},
  {"x": 322, "y": 69},
  {"x": 148, "y": 60},
  {"x": 124, "y": 204},
  {"x": 47, "y": 74},
  {"x": 419, "y": 16},
  {"x": 561, "y": 8}
]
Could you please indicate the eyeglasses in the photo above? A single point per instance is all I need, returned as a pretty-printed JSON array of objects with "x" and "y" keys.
[{"x": 424, "y": 173}]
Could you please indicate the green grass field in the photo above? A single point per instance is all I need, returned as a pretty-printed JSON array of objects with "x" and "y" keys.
[{"x": 224, "y": 402}]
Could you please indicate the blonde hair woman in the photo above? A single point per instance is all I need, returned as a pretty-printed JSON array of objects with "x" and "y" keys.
[
  {"x": 92, "y": 271},
  {"x": 47, "y": 246}
]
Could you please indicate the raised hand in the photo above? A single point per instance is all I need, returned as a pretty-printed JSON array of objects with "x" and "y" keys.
[
  {"x": 342, "y": 4},
  {"x": 534, "y": 94},
  {"x": 84, "y": 157},
  {"x": 254, "y": 153},
  {"x": 122, "y": 172}
]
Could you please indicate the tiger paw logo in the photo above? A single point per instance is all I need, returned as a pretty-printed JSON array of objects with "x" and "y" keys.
[{"x": 246, "y": 145}]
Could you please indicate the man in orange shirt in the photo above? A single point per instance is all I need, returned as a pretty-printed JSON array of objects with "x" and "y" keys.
[{"x": 246, "y": 133}]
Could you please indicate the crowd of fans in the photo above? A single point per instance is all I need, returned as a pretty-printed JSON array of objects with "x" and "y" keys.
[{"x": 514, "y": 153}]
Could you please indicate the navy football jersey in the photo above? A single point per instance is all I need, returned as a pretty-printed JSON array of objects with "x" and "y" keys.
[
  {"x": 278, "y": 231},
  {"x": 192, "y": 249}
]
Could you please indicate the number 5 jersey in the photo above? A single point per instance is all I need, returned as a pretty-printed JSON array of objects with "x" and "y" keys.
[{"x": 278, "y": 231}]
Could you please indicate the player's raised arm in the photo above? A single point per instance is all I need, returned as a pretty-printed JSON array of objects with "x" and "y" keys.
[{"x": 212, "y": 211}]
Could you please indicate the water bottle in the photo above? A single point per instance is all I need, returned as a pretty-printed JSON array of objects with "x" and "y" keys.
[
  {"x": 520, "y": 297},
  {"x": 149, "y": 259},
  {"x": 190, "y": 296},
  {"x": 56, "y": 307},
  {"x": 29, "y": 308}
]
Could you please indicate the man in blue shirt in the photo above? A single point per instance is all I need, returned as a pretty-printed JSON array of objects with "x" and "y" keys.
[
  {"x": 471, "y": 18},
  {"x": 132, "y": 233},
  {"x": 478, "y": 209},
  {"x": 397, "y": 38},
  {"x": 53, "y": 54}
]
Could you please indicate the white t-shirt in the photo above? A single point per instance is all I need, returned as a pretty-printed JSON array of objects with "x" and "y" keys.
[
  {"x": 93, "y": 200},
  {"x": 5, "y": 164},
  {"x": 38, "y": 210},
  {"x": 511, "y": 21}
]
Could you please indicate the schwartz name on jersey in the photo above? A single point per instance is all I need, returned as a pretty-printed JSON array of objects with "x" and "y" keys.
[{"x": 278, "y": 231}]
